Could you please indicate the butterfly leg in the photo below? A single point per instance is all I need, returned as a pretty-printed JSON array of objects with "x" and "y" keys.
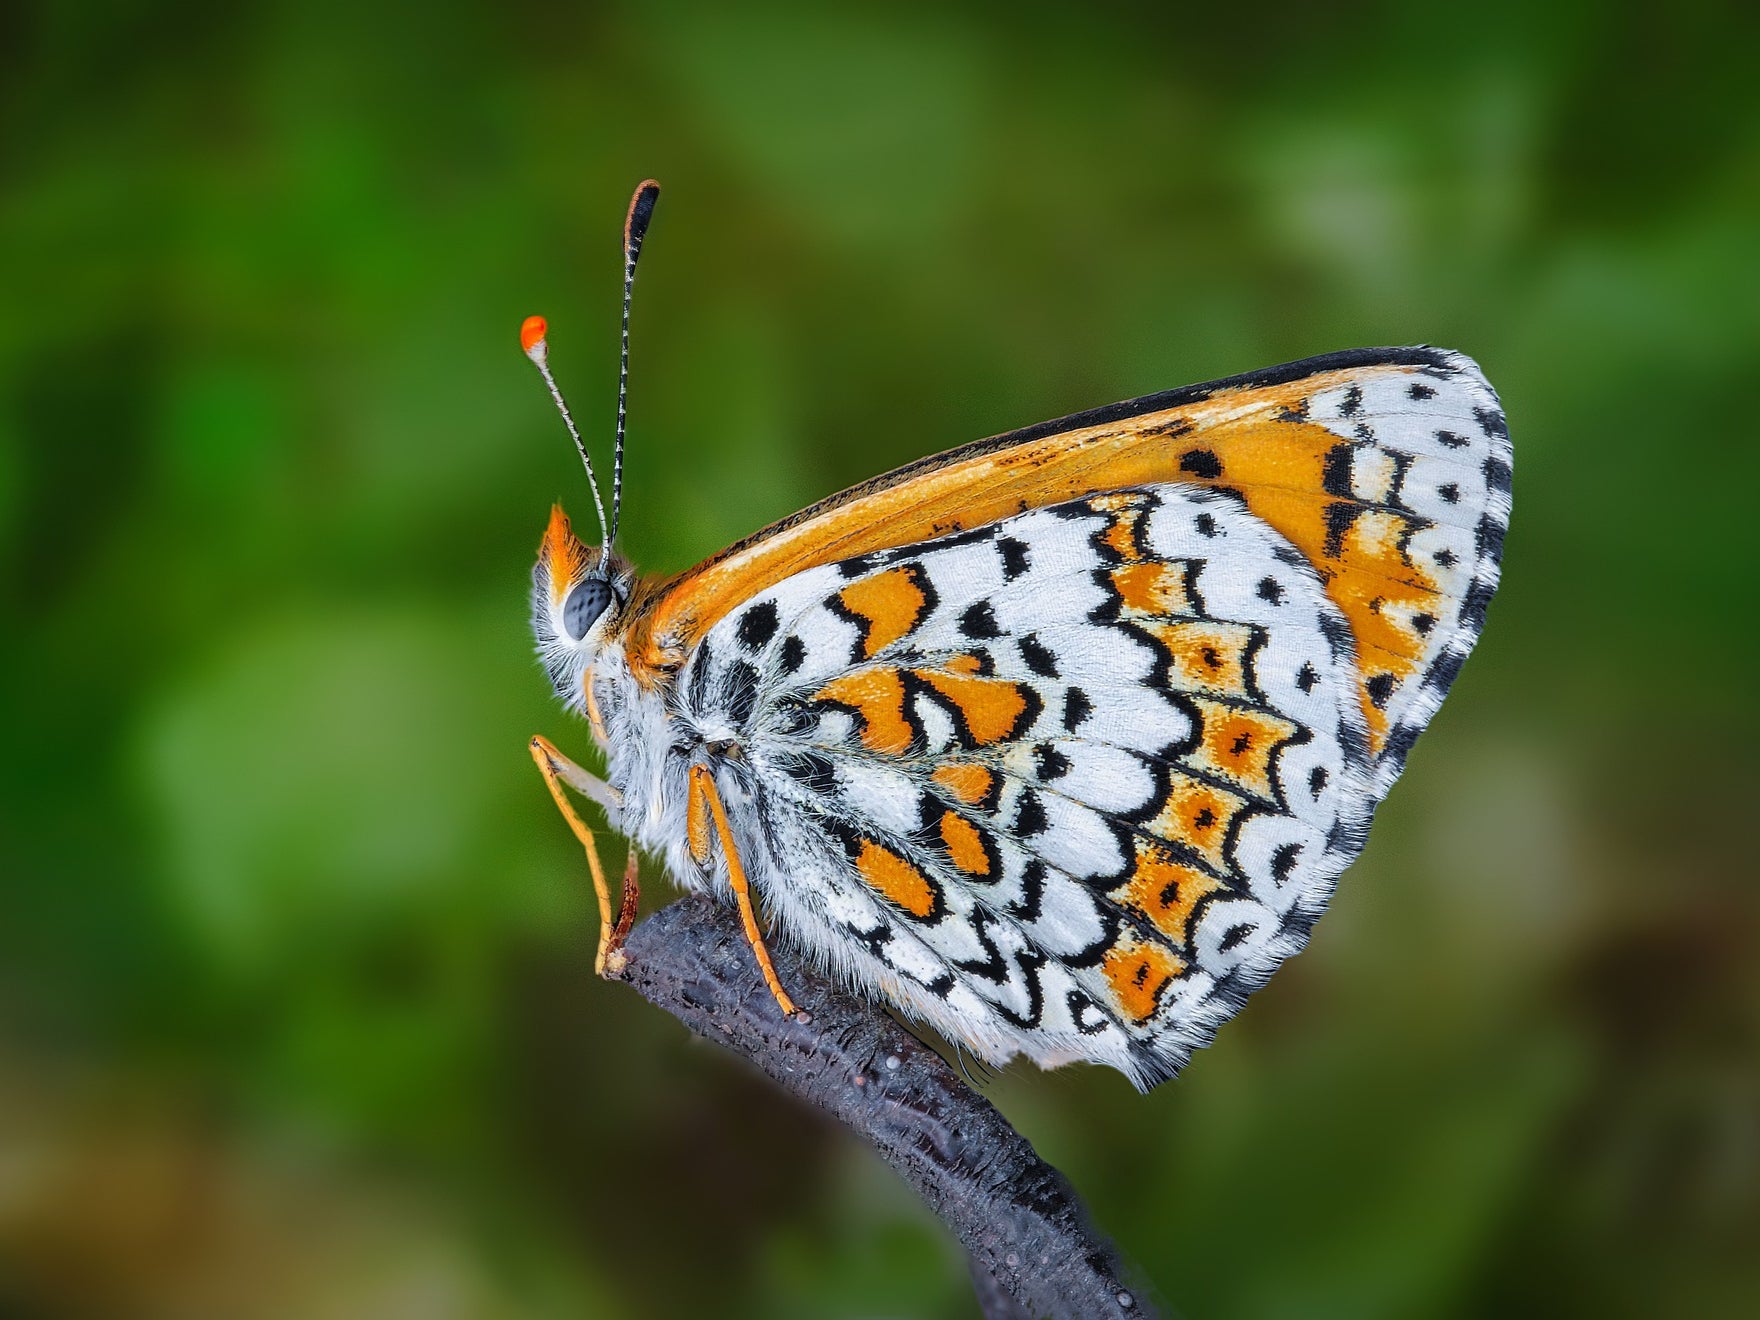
[
  {"x": 704, "y": 796},
  {"x": 558, "y": 770}
]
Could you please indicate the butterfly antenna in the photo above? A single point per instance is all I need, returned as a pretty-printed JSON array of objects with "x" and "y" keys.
[
  {"x": 635, "y": 229},
  {"x": 532, "y": 338}
]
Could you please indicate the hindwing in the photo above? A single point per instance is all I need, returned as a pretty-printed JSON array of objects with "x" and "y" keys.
[{"x": 1081, "y": 773}]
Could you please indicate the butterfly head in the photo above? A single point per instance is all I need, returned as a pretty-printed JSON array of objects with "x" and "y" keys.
[{"x": 578, "y": 597}]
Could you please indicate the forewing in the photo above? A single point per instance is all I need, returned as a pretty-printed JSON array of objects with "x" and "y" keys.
[{"x": 1388, "y": 470}]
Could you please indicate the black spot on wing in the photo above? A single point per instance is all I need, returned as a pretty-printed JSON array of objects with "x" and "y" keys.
[
  {"x": 1491, "y": 422},
  {"x": 1076, "y": 708},
  {"x": 1444, "y": 669},
  {"x": 1086, "y": 1015},
  {"x": 1353, "y": 742},
  {"x": 810, "y": 770},
  {"x": 1335, "y": 471},
  {"x": 794, "y": 654},
  {"x": 1015, "y": 557},
  {"x": 758, "y": 625},
  {"x": 1171, "y": 430},
  {"x": 1337, "y": 634},
  {"x": 1029, "y": 815},
  {"x": 1497, "y": 474},
  {"x": 1049, "y": 763},
  {"x": 1339, "y": 516},
  {"x": 1399, "y": 744},
  {"x": 1037, "y": 656},
  {"x": 1451, "y": 440},
  {"x": 1201, "y": 463},
  {"x": 979, "y": 621},
  {"x": 1380, "y": 688},
  {"x": 1030, "y": 906},
  {"x": 1283, "y": 861},
  {"x": 1474, "y": 604},
  {"x": 973, "y": 536},
  {"x": 1419, "y": 390},
  {"x": 991, "y": 968}
]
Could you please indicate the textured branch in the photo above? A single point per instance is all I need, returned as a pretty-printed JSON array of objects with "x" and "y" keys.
[{"x": 1015, "y": 1215}]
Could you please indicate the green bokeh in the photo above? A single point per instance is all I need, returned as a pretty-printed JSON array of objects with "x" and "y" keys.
[{"x": 296, "y": 1007}]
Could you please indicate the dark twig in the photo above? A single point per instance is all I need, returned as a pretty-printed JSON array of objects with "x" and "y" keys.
[{"x": 1016, "y": 1215}]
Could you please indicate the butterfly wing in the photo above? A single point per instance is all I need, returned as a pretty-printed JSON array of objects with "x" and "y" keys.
[
  {"x": 1389, "y": 469},
  {"x": 1071, "y": 784},
  {"x": 1073, "y": 776}
]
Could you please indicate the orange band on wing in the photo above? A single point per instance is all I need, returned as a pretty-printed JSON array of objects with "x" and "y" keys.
[{"x": 1251, "y": 439}]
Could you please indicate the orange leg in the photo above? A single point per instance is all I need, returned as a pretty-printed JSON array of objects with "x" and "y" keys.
[
  {"x": 703, "y": 793},
  {"x": 557, "y": 769}
]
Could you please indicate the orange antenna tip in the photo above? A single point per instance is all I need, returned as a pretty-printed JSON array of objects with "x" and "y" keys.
[{"x": 531, "y": 336}]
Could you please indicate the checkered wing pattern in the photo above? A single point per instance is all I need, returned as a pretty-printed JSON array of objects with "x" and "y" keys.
[{"x": 1073, "y": 783}]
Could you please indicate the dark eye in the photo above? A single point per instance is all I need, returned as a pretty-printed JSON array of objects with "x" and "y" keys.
[{"x": 584, "y": 606}]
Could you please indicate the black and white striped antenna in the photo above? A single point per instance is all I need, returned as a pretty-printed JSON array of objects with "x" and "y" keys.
[
  {"x": 533, "y": 338},
  {"x": 635, "y": 229}
]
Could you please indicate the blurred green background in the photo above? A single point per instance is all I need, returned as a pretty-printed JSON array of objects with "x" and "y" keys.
[{"x": 296, "y": 1007}]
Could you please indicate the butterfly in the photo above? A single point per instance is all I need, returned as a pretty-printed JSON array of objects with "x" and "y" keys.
[{"x": 1057, "y": 742}]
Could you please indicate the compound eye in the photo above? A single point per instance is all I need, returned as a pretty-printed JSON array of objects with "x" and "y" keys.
[{"x": 584, "y": 606}]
